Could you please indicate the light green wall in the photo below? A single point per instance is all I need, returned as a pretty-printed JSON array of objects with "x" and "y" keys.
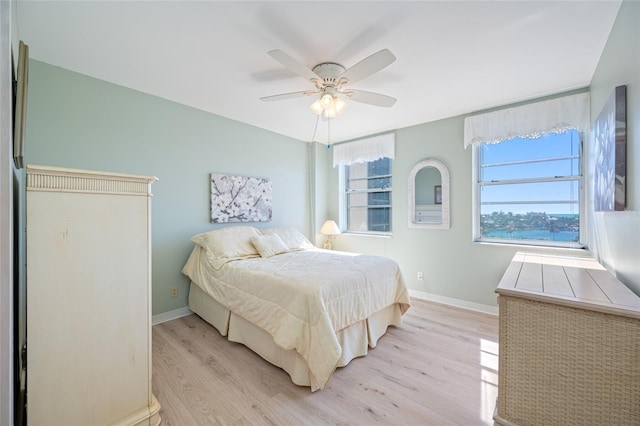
[
  {"x": 80, "y": 122},
  {"x": 453, "y": 267},
  {"x": 320, "y": 170},
  {"x": 616, "y": 235}
]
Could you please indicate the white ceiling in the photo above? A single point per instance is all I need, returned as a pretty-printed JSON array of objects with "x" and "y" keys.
[{"x": 453, "y": 57}]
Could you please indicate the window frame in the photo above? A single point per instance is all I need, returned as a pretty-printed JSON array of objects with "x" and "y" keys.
[
  {"x": 476, "y": 201},
  {"x": 344, "y": 203}
]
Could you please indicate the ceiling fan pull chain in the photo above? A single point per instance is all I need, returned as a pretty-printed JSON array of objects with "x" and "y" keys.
[{"x": 315, "y": 129}]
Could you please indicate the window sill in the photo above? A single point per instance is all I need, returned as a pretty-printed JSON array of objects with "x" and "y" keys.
[
  {"x": 520, "y": 246},
  {"x": 369, "y": 234}
]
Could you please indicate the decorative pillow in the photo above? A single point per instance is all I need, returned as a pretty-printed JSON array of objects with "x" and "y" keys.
[
  {"x": 269, "y": 245},
  {"x": 291, "y": 237},
  {"x": 225, "y": 244}
]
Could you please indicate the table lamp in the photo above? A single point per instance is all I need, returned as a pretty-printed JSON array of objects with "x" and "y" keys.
[{"x": 329, "y": 228}]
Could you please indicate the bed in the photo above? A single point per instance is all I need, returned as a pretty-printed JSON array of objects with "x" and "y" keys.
[{"x": 303, "y": 309}]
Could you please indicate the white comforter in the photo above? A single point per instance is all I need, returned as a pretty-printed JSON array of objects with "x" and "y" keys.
[{"x": 302, "y": 297}]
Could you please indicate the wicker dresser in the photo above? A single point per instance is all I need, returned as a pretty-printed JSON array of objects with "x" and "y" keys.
[{"x": 569, "y": 344}]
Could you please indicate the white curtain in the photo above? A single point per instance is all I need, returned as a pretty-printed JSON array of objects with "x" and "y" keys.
[
  {"x": 529, "y": 121},
  {"x": 369, "y": 149}
]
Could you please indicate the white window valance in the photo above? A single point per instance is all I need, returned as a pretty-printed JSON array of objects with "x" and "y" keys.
[
  {"x": 529, "y": 121},
  {"x": 363, "y": 150}
]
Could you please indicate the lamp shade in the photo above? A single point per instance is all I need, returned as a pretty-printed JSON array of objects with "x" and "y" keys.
[
  {"x": 326, "y": 100},
  {"x": 316, "y": 107},
  {"x": 330, "y": 228},
  {"x": 339, "y": 105}
]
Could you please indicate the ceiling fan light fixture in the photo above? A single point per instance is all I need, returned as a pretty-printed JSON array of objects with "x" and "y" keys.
[
  {"x": 339, "y": 105},
  {"x": 327, "y": 101},
  {"x": 330, "y": 113},
  {"x": 328, "y": 105},
  {"x": 316, "y": 107}
]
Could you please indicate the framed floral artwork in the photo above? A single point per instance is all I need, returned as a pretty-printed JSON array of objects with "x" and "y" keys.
[
  {"x": 610, "y": 131},
  {"x": 240, "y": 199}
]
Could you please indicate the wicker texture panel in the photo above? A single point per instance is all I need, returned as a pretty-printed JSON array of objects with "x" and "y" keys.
[{"x": 566, "y": 366}]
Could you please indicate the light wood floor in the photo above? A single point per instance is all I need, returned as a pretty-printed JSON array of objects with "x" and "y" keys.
[{"x": 438, "y": 368}]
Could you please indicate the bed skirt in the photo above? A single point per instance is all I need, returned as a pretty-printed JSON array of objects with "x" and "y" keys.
[{"x": 355, "y": 340}]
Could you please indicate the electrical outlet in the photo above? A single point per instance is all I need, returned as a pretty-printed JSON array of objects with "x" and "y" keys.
[
  {"x": 174, "y": 292},
  {"x": 420, "y": 276}
]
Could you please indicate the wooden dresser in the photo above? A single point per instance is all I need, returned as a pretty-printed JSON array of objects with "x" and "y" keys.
[
  {"x": 569, "y": 344},
  {"x": 88, "y": 298}
]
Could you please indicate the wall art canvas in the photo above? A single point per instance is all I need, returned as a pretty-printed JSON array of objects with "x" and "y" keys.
[
  {"x": 610, "y": 132},
  {"x": 240, "y": 199}
]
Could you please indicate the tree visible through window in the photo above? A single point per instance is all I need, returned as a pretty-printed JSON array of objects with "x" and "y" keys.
[
  {"x": 368, "y": 196},
  {"x": 529, "y": 190}
]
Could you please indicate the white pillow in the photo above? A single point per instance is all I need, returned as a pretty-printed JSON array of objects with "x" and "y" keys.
[
  {"x": 225, "y": 244},
  {"x": 269, "y": 245},
  {"x": 291, "y": 237}
]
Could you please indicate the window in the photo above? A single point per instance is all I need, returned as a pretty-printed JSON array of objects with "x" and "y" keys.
[
  {"x": 529, "y": 191},
  {"x": 527, "y": 169},
  {"x": 367, "y": 194},
  {"x": 365, "y": 171}
]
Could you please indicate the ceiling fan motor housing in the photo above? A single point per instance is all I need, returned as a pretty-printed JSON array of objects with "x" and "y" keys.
[{"x": 329, "y": 72}]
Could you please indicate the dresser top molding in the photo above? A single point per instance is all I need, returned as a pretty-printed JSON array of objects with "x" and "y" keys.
[{"x": 47, "y": 178}]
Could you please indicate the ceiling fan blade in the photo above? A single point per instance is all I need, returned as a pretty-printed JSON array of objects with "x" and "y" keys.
[
  {"x": 291, "y": 95},
  {"x": 370, "y": 98},
  {"x": 293, "y": 65},
  {"x": 369, "y": 65}
]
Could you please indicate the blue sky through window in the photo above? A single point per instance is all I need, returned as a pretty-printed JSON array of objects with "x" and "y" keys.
[{"x": 549, "y": 156}]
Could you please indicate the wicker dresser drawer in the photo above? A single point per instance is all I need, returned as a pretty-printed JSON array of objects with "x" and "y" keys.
[{"x": 569, "y": 344}]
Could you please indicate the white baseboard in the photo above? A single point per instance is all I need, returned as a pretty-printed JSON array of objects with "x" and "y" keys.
[
  {"x": 171, "y": 315},
  {"x": 459, "y": 303}
]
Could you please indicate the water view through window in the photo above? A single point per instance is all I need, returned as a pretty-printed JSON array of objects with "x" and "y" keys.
[
  {"x": 531, "y": 226},
  {"x": 530, "y": 189}
]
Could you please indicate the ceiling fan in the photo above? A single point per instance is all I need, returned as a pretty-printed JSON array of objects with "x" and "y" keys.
[{"x": 331, "y": 79}]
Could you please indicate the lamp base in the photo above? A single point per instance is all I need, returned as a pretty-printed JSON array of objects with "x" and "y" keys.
[{"x": 327, "y": 246}]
